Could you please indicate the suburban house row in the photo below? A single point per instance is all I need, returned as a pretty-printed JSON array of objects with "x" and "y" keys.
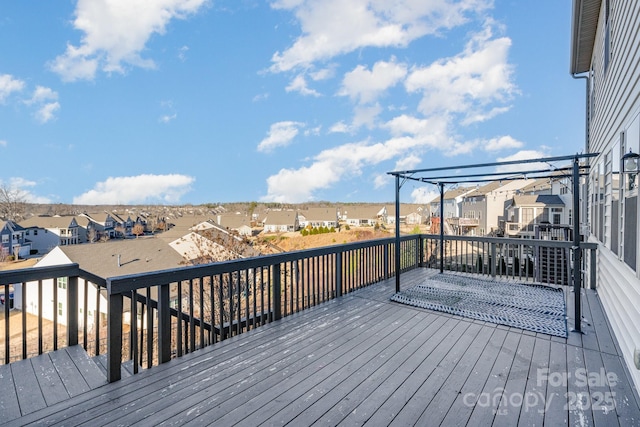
[{"x": 511, "y": 209}]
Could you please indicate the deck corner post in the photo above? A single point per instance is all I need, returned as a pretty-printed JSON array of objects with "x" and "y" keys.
[
  {"x": 577, "y": 250},
  {"x": 72, "y": 311},
  {"x": 114, "y": 333}
]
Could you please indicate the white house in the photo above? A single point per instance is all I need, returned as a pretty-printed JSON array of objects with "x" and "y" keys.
[
  {"x": 605, "y": 44},
  {"x": 109, "y": 259}
]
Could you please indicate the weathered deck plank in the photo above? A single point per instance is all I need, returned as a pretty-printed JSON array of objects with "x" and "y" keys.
[
  {"x": 9, "y": 405},
  {"x": 363, "y": 360}
]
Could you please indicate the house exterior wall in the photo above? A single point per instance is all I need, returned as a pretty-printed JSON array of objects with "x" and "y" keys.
[
  {"x": 49, "y": 312},
  {"x": 613, "y": 129},
  {"x": 42, "y": 240}
]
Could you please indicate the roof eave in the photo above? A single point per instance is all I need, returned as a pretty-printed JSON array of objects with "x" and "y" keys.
[{"x": 585, "y": 17}]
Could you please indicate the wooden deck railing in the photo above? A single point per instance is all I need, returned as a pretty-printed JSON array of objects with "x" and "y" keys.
[{"x": 153, "y": 317}]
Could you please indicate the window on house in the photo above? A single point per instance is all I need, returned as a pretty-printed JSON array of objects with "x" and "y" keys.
[
  {"x": 62, "y": 282},
  {"x": 60, "y": 309}
]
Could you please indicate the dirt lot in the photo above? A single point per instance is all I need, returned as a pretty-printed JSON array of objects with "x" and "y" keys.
[{"x": 295, "y": 241}]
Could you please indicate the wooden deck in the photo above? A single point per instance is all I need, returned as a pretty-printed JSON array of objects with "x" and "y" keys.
[{"x": 363, "y": 360}]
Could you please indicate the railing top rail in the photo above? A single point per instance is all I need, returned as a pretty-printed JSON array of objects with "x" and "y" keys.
[
  {"x": 36, "y": 273},
  {"x": 121, "y": 284},
  {"x": 507, "y": 240}
]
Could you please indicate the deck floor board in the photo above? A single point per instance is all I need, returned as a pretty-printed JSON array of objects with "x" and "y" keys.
[{"x": 357, "y": 360}]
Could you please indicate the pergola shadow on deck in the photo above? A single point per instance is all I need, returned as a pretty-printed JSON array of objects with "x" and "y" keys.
[{"x": 362, "y": 359}]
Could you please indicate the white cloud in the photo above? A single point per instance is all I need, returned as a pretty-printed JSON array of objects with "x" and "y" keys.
[
  {"x": 523, "y": 155},
  {"x": 280, "y": 134},
  {"x": 340, "y": 127},
  {"x": 47, "y": 112},
  {"x": 408, "y": 163},
  {"x": 43, "y": 94},
  {"x": 3, "y": 143},
  {"x": 501, "y": 143},
  {"x": 299, "y": 84},
  {"x": 365, "y": 86},
  {"x": 366, "y": 116},
  {"x": 381, "y": 180},
  {"x": 45, "y": 100},
  {"x": 9, "y": 85},
  {"x": 115, "y": 33},
  {"x": 137, "y": 189},
  {"x": 335, "y": 27},
  {"x": 22, "y": 187},
  {"x": 332, "y": 165},
  {"x": 182, "y": 53},
  {"x": 469, "y": 83},
  {"x": 166, "y": 118},
  {"x": 423, "y": 195}
]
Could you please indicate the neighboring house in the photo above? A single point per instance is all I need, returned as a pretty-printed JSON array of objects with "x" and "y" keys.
[
  {"x": 13, "y": 240},
  {"x": 318, "y": 217},
  {"x": 537, "y": 186},
  {"x": 604, "y": 51},
  {"x": 99, "y": 230},
  {"x": 108, "y": 259},
  {"x": 364, "y": 215},
  {"x": 483, "y": 209},
  {"x": 47, "y": 232},
  {"x": 452, "y": 206},
  {"x": 525, "y": 212},
  {"x": 281, "y": 222},
  {"x": 410, "y": 214},
  {"x": 209, "y": 242},
  {"x": 239, "y": 223}
]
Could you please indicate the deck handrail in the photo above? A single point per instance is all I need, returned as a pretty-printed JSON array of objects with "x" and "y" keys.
[{"x": 179, "y": 310}]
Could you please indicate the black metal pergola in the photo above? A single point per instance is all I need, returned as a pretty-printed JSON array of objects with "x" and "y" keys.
[{"x": 488, "y": 172}]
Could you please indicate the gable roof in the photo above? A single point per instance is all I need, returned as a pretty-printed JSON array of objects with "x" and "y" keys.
[
  {"x": 50, "y": 222},
  {"x": 135, "y": 256},
  {"x": 453, "y": 193},
  {"x": 320, "y": 214},
  {"x": 538, "y": 200},
  {"x": 362, "y": 211},
  {"x": 281, "y": 217}
]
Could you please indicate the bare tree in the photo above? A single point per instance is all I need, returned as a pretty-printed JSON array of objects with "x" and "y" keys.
[
  {"x": 12, "y": 203},
  {"x": 138, "y": 230}
]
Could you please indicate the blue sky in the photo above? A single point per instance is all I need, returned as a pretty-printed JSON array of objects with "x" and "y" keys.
[{"x": 196, "y": 101}]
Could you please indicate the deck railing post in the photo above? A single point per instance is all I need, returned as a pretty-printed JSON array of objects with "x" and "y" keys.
[
  {"x": 493, "y": 259},
  {"x": 72, "y": 311},
  {"x": 164, "y": 324},
  {"x": 385, "y": 261},
  {"x": 593, "y": 268},
  {"x": 339, "y": 274},
  {"x": 277, "y": 292},
  {"x": 114, "y": 337},
  {"x": 420, "y": 251},
  {"x": 577, "y": 253}
]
